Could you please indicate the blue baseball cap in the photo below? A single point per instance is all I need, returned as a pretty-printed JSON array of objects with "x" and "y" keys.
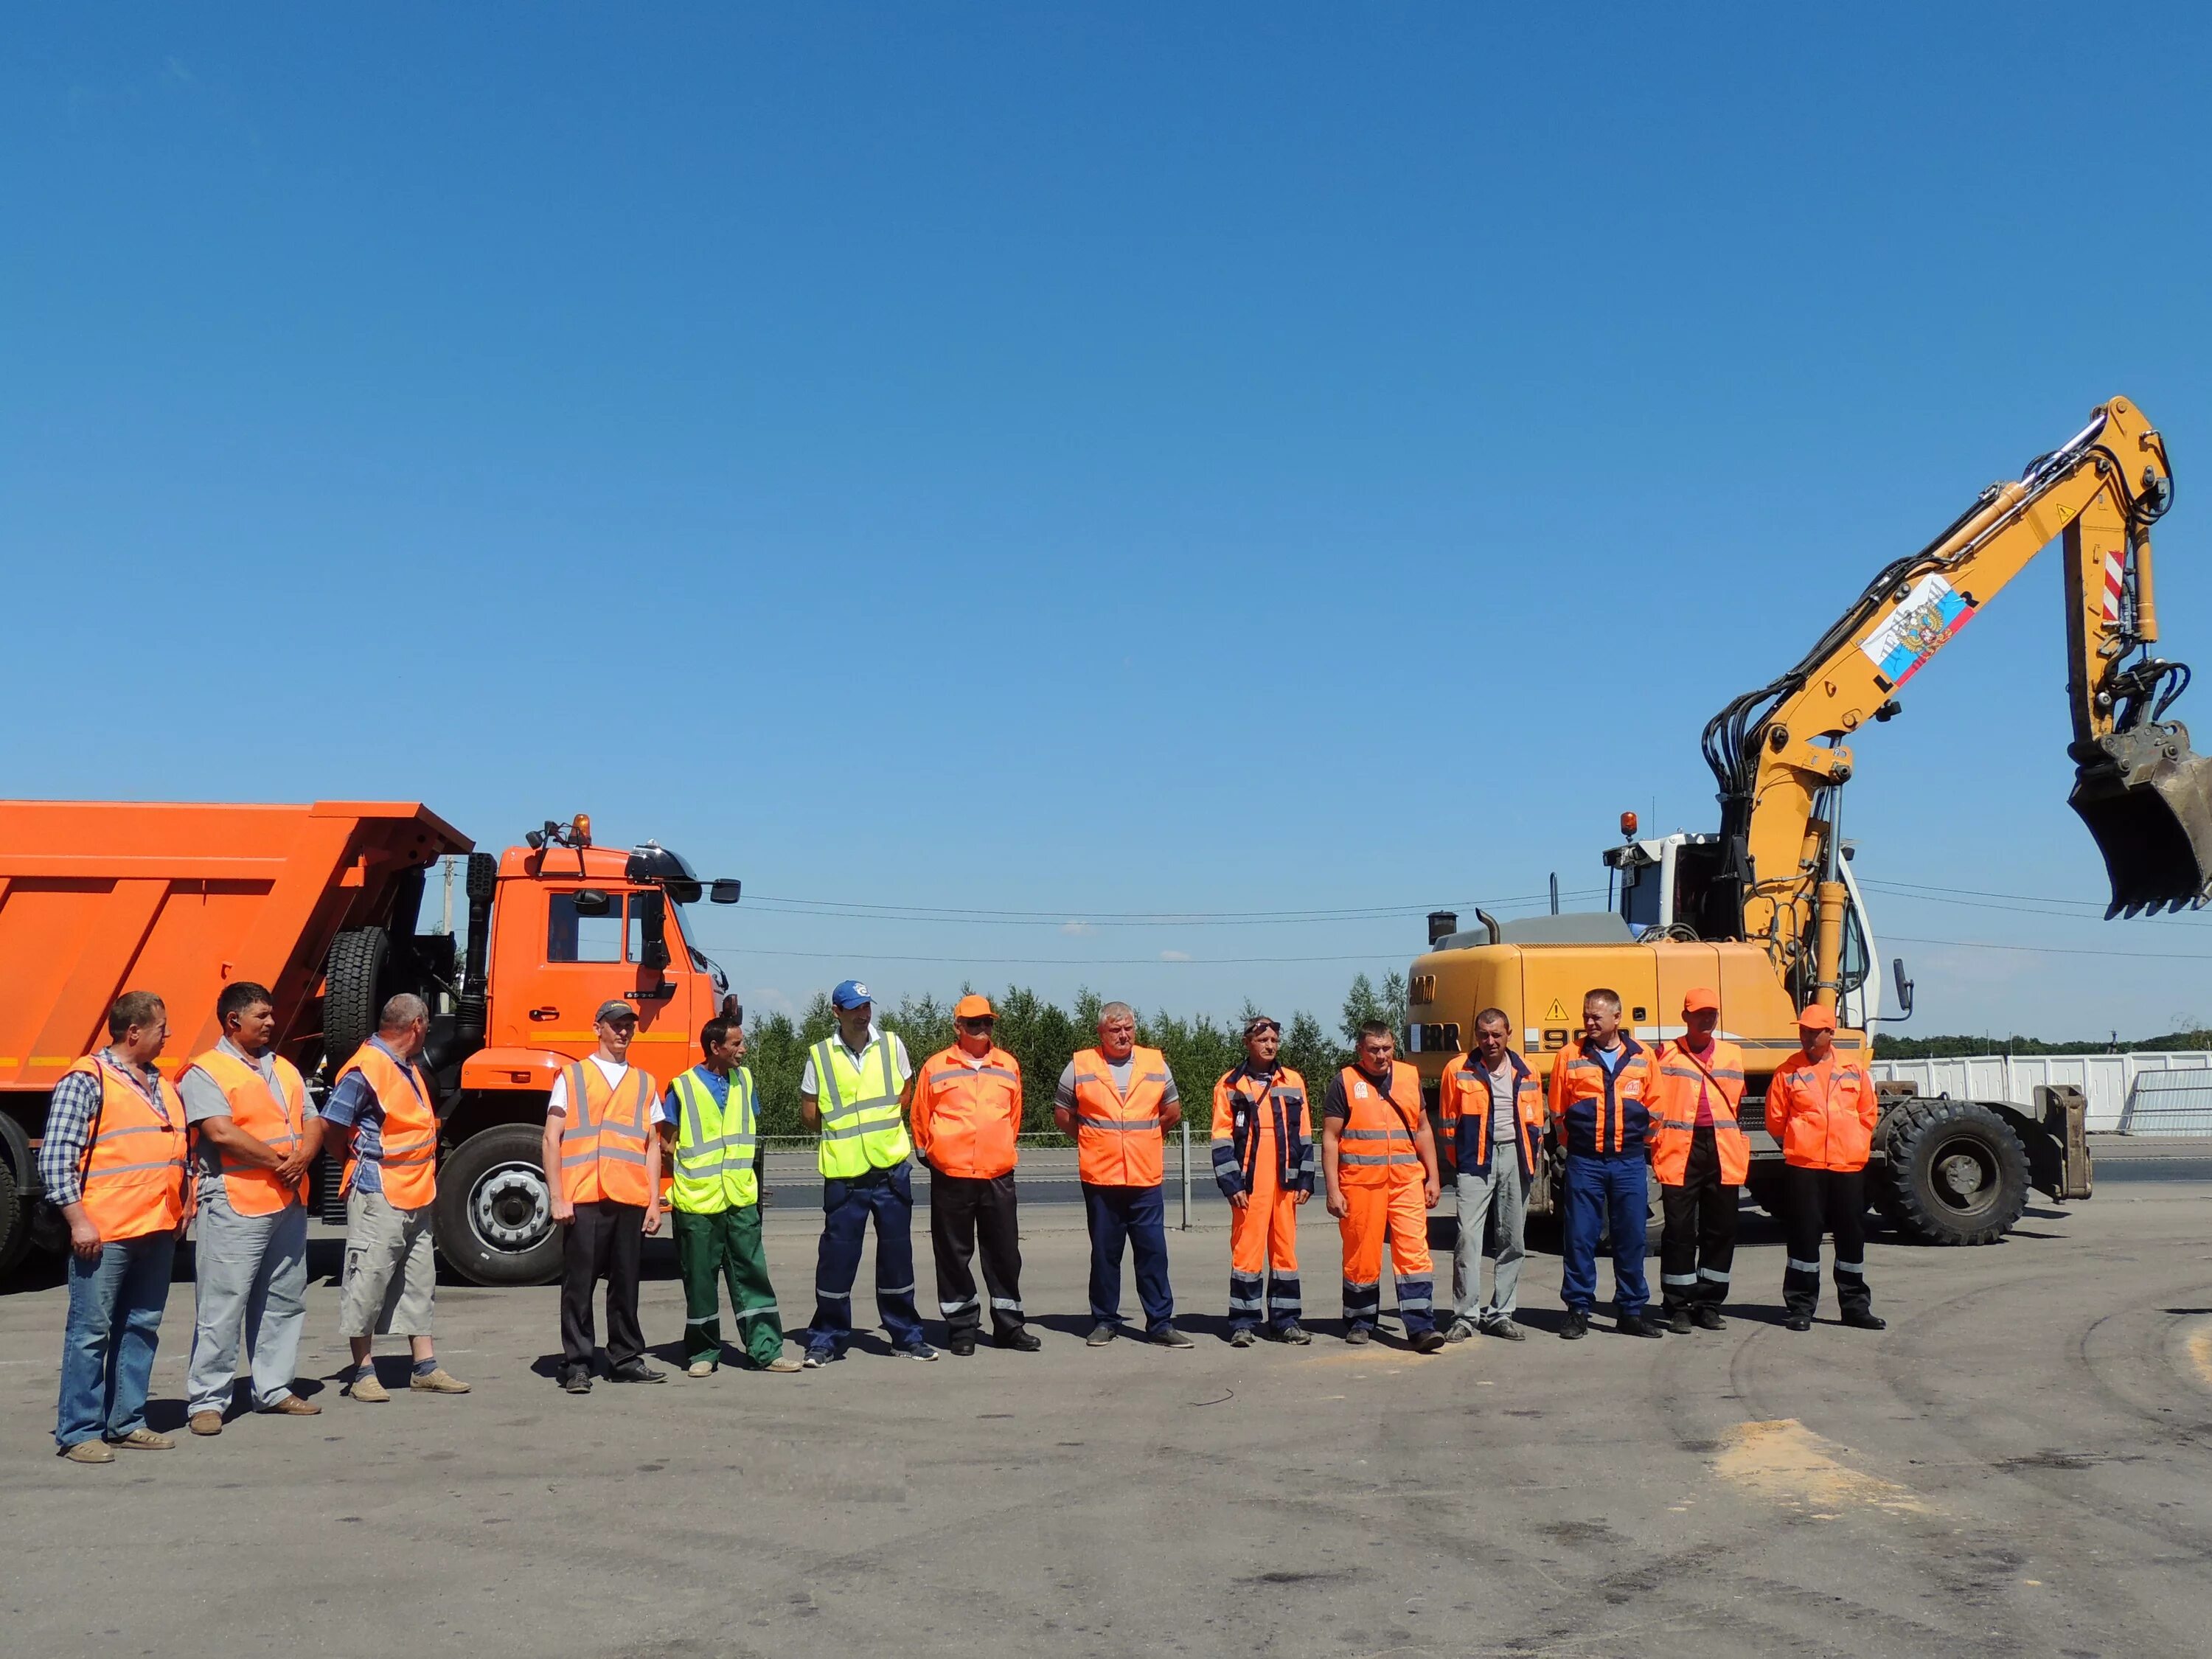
[{"x": 851, "y": 994}]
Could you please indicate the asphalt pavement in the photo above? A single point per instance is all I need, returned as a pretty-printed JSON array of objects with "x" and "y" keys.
[{"x": 2021, "y": 1465}]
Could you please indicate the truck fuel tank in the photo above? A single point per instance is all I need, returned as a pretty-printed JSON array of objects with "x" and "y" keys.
[{"x": 2147, "y": 799}]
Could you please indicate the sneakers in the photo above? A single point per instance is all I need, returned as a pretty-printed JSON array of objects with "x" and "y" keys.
[
  {"x": 699, "y": 1368},
  {"x": 918, "y": 1349},
  {"x": 290, "y": 1405},
  {"x": 783, "y": 1362},
  {"x": 206, "y": 1423},
  {"x": 1429, "y": 1341},
  {"x": 366, "y": 1389},
  {"x": 1020, "y": 1341},
  {"x": 441, "y": 1381},
  {"x": 636, "y": 1371},
  {"x": 1101, "y": 1334},
  {"x": 1576, "y": 1328},
  {"x": 1358, "y": 1336},
  {"x": 1678, "y": 1320},
  {"x": 89, "y": 1451},
  {"x": 1241, "y": 1337},
  {"x": 1295, "y": 1333},
  {"x": 962, "y": 1345},
  {"x": 1865, "y": 1321},
  {"x": 1639, "y": 1325},
  {"x": 1708, "y": 1317},
  {"x": 1167, "y": 1337},
  {"x": 1798, "y": 1322},
  {"x": 1506, "y": 1328},
  {"x": 143, "y": 1440},
  {"x": 576, "y": 1380},
  {"x": 819, "y": 1354}
]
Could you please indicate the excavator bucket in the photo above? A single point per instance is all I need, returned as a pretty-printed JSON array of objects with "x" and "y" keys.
[{"x": 2147, "y": 798}]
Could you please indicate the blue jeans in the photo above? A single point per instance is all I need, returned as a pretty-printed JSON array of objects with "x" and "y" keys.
[
  {"x": 888, "y": 1195},
  {"x": 1138, "y": 1215},
  {"x": 1599, "y": 1190},
  {"x": 107, "y": 1350}
]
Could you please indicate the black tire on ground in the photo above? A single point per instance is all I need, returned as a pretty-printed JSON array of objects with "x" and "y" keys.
[
  {"x": 353, "y": 992},
  {"x": 1953, "y": 1172},
  {"x": 494, "y": 1219},
  {"x": 15, "y": 1222}
]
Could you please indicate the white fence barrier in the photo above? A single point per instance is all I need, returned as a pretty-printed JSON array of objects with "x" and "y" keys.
[{"x": 2109, "y": 1080}]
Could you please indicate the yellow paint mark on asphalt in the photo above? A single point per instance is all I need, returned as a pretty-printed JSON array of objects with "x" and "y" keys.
[
  {"x": 2200, "y": 1354},
  {"x": 1786, "y": 1463}
]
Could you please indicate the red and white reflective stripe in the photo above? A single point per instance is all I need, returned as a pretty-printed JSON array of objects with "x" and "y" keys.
[{"x": 2114, "y": 565}]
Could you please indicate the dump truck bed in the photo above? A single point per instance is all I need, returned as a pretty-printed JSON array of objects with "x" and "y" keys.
[{"x": 99, "y": 897}]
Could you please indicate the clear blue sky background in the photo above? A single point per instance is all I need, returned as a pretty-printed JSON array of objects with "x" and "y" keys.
[{"x": 1079, "y": 461}]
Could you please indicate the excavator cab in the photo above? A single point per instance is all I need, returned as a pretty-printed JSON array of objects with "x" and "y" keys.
[{"x": 2147, "y": 799}]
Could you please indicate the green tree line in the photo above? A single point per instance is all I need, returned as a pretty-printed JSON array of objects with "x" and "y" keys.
[
  {"x": 1042, "y": 1037},
  {"x": 1952, "y": 1047}
]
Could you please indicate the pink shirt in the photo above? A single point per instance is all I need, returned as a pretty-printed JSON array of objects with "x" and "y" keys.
[{"x": 1704, "y": 1057}]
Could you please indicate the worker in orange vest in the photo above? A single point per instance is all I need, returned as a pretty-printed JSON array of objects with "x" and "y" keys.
[
  {"x": 1601, "y": 1096},
  {"x": 1823, "y": 1108},
  {"x": 1263, "y": 1162},
  {"x": 256, "y": 1136},
  {"x": 1119, "y": 1100},
  {"x": 1378, "y": 1156},
  {"x": 1700, "y": 1155},
  {"x": 383, "y": 1103},
  {"x": 112, "y": 1161},
  {"x": 601, "y": 1146},
  {"x": 967, "y": 1110}
]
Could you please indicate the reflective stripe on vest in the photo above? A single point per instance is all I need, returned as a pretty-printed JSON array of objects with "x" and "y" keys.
[
  {"x": 1118, "y": 1137},
  {"x": 1673, "y": 1121},
  {"x": 861, "y": 1125},
  {"x": 714, "y": 1145},
  {"x": 134, "y": 1171},
  {"x": 603, "y": 1144},
  {"x": 1374, "y": 1141},
  {"x": 273, "y": 1113},
  {"x": 971, "y": 1114},
  {"x": 409, "y": 1165}
]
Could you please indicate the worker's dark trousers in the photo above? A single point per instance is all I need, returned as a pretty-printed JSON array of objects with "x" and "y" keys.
[
  {"x": 964, "y": 1211},
  {"x": 1138, "y": 1216},
  {"x": 1604, "y": 1192},
  {"x": 1698, "y": 1249},
  {"x": 605, "y": 1241},
  {"x": 888, "y": 1195},
  {"x": 1825, "y": 1200}
]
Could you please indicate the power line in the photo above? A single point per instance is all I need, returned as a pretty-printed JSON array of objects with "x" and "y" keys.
[
  {"x": 787, "y": 905},
  {"x": 1044, "y": 961},
  {"x": 2095, "y": 913},
  {"x": 2052, "y": 949}
]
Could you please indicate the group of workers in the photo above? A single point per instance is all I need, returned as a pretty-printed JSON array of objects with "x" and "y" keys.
[{"x": 129, "y": 1158}]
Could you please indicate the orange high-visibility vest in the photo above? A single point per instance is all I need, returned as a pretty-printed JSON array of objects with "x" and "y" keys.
[
  {"x": 966, "y": 1116},
  {"x": 1118, "y": 1138},
  {"x": 1674, "y": 1106},
  {"x": 250, "y": 1189},
  {"x": 1823, "y": 1113},
  {"x": 1375, "y": 1146},
  {"x": 409, "y": 1166},
  {"x": 603, "y": 1134},
  {"x": 134, "y": 1172}
]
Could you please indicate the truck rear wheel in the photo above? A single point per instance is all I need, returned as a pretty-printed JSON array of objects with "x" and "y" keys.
[
  {"x": 353, "y": 992},
  {"x": 495, "y": 1216},
  {"x": 15, "y": 1221},
  {"x": 1953, "y": 1172}
]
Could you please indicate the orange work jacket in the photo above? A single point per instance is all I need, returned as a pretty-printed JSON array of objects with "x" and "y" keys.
[
  {"x": 134, "y": 1172},
  {"x": 1823, "y": 1112},
  {"x": 1463, "y": 1109},
  {"x": 966, "y": 1115},
  {"x": 1599, "y": 1114},
  {"x": 409, "y": 1164},
  {"x": 1375, "y": 1146},
  {"x": 1261, "y": 1123},
  {"x": 602, "y": 1135},
  {"x": 250, "y": 1189},
  {"x": 1674, "y": 1111},
  {"x": 1118, "y": 1137}
]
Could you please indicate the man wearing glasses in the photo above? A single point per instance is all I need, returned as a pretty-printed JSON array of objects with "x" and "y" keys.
[{"x": 967, "y": 1110}]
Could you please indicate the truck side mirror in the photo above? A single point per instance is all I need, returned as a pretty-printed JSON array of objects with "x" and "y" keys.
[
  {"x": 651, "y": 910},
  {"x": 1904, "y": 988},
  {"x": 726, "y": 891},
  {"x": 591, "y": 902}
]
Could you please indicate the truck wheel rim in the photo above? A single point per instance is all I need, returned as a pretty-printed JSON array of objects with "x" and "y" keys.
[
  {"x": 511, "y": 1211},
  {"x": 1965, "y": 1174}
]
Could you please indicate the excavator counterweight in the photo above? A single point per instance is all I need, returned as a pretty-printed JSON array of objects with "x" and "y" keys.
[{"x": 2146, "y": 797}]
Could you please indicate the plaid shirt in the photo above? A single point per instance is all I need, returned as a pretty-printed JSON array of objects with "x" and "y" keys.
[{"x": 70, "y": 1117}]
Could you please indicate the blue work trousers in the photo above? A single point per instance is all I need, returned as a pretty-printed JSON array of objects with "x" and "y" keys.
[
  {"x": 115, "y": 1303},
  {"x": 1138, "y": 1216},
  {"x": 888, "y": 1195},
  {"x": 1601, "y": 1190}
]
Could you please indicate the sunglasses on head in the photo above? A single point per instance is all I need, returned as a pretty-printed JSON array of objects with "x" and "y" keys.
[{"x": 1263, "y": 1026}]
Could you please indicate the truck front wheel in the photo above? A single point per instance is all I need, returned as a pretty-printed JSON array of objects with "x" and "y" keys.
[
  {"x": 495, "y": 1216},
  {"x": 1953, "y": 1172}
]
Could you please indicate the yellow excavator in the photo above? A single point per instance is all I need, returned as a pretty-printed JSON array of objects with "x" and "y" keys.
[{"x": 1767, "y": 911}]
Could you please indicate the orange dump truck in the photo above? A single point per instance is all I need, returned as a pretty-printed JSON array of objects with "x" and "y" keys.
[{"x": 323, "y": 904}]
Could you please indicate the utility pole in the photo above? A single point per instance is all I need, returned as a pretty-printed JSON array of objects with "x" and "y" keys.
[{"x": 447, "y": 929}]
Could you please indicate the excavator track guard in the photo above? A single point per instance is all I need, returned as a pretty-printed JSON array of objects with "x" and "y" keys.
[{"x": 2147, "y": 799}]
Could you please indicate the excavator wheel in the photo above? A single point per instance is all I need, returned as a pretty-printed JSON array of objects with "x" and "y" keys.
[
  {"x": 1953, "y": 1172},
  {"x": 2146, "y": 797}
]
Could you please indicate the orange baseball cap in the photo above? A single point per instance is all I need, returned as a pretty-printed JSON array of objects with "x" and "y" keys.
[
  {"x": 1817, "y": 1018},
  {"x": 972, "y": 1006},
  {"x": 1701, "y": 999}
]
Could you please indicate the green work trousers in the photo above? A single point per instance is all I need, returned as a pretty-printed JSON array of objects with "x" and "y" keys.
[{"x": 726, "y": 1244}]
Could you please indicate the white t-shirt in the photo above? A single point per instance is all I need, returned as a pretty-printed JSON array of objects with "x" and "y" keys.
[{"x": 614, "y": 1070}]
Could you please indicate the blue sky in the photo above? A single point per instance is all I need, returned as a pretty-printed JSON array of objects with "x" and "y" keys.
[{"x": 1082, "y": 461}]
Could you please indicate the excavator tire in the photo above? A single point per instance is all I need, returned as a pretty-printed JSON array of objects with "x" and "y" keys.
[
  {"x": 353, "y": 992},
  {"x": 1953, "y": 1172}
]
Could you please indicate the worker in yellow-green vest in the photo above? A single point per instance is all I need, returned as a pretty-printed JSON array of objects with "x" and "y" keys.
[
  {"x": 710, "y": 1121},
  {"x": 853, "y": 1092}
]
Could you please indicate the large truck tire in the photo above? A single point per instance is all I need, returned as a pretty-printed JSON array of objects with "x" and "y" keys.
[
  {"x": 18, "y": 1213},
  {"x": 353, "y": 992},
  {"x": 494, "y": 1219},
  {"x": 15, "y": 1222},
  {"x": 1953, "y": 1172}
]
